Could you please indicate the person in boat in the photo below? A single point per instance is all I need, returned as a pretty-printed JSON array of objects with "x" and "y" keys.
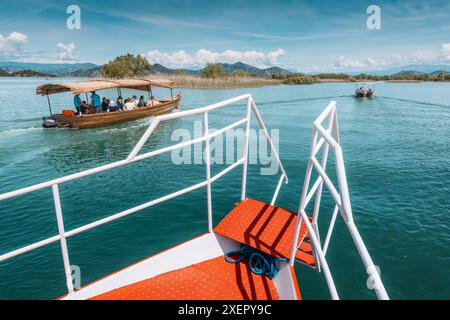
[
  {"x": 95, "y": 102},
  {"x": 141, "y": 102},
  {"x": 129, "y": 105},
  {"x": 112, "y": 106},
  {"x": 153, "y": 102},
  {"x": 119, "y": 103},
  {"x": 84, "y": 107},
  {"x": 77, "y": 103},
  {"x": 135, "y": 100},
  {"x": 105, "y": 104}
]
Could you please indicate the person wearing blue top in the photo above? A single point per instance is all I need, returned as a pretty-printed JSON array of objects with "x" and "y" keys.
[
  {"x": 95, "y": 102},
  {"x": 141, "y": 102},
  {"x": 77, "y": 103}
]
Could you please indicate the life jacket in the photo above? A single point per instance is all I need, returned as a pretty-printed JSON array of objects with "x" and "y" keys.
[{"x": 68, "y": 113}]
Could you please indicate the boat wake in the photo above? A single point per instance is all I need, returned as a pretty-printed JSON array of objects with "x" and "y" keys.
[
  {"x": 22, "y": 120},
  {"x": 17, "y": 131},
  {"x": 303, "y": 99},
  {"x": 415, "y": 101},
  {"x": 136, "y": 124}
]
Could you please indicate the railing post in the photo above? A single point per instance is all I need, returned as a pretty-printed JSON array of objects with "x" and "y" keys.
[
  {"x": 208, "y": 171},
  {"x": 326, "y": 148},
  {"x": 303, "y": 197},
  {"x": 65, "y": 253},
  {"x": 246, "y": 144}
]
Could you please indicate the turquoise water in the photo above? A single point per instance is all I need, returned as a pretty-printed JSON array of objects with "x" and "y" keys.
[{"x": 396, "y": 147}]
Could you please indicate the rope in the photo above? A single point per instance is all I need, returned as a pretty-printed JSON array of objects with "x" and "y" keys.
[{"x": 258, "y": 262}]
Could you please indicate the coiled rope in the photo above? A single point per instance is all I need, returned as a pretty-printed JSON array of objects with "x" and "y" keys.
[{"x": 258, "y": 262}]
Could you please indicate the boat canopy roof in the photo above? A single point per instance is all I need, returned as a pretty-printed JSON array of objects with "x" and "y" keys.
[{"x": 102, "y": 84}]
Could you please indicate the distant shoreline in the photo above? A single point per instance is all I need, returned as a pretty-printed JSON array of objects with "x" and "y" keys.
[{"x": 201, "y": 83}]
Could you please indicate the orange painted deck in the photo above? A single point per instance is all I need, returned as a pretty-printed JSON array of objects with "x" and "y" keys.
[
  {"x": 267, "y": 228},
  {"x": 262, "y": 226},
  {"x": 213, "y": 279}
]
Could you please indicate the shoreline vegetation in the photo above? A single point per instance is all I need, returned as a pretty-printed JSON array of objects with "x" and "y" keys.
[
  {"x": 225, "y": 82},
  {"x": 226, "y": 76},
  {"x": 230, "y": 81},
  {"x": 214, "y": 75}
]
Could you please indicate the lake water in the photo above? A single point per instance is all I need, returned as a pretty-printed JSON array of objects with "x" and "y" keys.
[{"x": 396, "y": 148}]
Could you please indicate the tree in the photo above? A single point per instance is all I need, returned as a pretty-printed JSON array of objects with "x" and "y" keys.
[
  {"x": 213, "y": 70},
  {"x": 126, "y": 66},
  {"x": 243, "y": 74}
]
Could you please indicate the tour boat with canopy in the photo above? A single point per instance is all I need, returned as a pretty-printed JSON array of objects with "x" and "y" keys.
[
  {"x": 251, "y": 253},
  {"x": 69, "y": 119},
  {"x": 364, "y": 89}
]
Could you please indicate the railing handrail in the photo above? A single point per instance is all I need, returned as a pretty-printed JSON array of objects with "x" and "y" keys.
[
  {"x": 134, "y": 157},
  {"x": 329, "y": 137}
]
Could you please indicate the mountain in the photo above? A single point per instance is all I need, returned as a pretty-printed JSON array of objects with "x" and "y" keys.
[
  {"x": 240, "y": 66},
  {"x": 24, "y": 73},
  {"x": 408, "y": 73},
  {"x": 29, "y": 74},
  {"x": 440, "y": 71},
  {"x": 3, "y": 73},
  {"x": 86, "y": 73},
  {"x": 160, "y": 69},
  {"x": 90, "y": 70},
  {"x": 60, "y": 69},
  {"x": 419, "y": 68},
  {"x": 228, "y": 67}
]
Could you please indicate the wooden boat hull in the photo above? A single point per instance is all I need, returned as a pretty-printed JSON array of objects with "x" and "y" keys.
[{"x": 109, "y": 118}]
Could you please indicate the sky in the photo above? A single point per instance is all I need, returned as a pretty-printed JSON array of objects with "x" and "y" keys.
[{"x": 306, "y": 36}]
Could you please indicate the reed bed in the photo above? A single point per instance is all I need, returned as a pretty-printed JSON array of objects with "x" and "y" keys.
[{"x": 230, "y": 82}]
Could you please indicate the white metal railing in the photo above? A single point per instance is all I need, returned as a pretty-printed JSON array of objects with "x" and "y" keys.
[
  {"x": 134, "y": 156},
  {"x": 329, "y": 137}
]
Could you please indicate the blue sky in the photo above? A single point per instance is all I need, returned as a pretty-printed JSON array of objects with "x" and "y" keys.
[{"x": 302, "y": 35}]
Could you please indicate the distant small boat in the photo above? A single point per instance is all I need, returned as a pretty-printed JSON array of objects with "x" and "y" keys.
[{"x": 364, "y": 90}]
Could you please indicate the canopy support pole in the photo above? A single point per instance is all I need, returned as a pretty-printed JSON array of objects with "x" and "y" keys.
[
  {"x": 49, "y": 105},
  {"x": 149, "y": 90},
  {"x": 171, "y": 93}
]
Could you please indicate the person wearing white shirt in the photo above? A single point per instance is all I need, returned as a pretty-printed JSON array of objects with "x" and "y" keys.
[{"x": 129, "y": 105}]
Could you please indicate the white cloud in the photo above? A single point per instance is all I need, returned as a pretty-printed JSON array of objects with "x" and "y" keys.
[
  {"x": 11, "y": 45},
  {"x": 181, "y": 59},
  {"x": 445, "y": 51},
  {"x": 66, "y": 52},
  {"x": 274, "y": 55},
  {"x": 374, "y": 63}
]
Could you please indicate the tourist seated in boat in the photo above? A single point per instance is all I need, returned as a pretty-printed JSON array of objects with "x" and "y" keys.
[
  {"x": 119, "y": 103},
  {"x": 141, "y": 102},
  {"x": 129, "y": 105},
  {"x": 84, "y": 107},
  {"x": 153, "y": 102},
  {"x": 77, "y": 103},
  {"x": 95, "y": 102},
  {"x": 112, "y": 106},
  {"x": 105, "y": 104}
]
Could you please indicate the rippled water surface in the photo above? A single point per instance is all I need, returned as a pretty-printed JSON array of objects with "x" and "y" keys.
[{"x": 396, "y": 147}]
